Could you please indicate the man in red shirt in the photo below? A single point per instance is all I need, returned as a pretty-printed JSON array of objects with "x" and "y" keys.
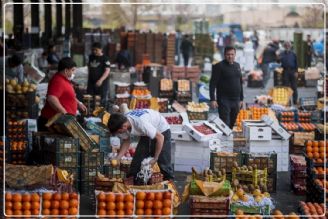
[{"x": 61, "y": 97}]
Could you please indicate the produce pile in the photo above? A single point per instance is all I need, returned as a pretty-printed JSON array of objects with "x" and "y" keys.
[
  {"x": 204, "y": 129},
  {"x": 109, "y": 203}
]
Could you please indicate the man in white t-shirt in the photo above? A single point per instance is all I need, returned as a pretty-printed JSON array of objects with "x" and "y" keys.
[{"x": 155, "y": 139}]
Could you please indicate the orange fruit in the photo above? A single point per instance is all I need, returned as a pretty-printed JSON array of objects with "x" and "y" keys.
[
  {"x": 101, "y": 197},
  {"x": 322, "y": 155},
  {"x": 128, "y": 206},
  {"x": 321, "y": 144},
  {"x": 65, "y": 196},
  {"x": 111, "y": 212},
  {"x": 110, "y": 197},
  {"x": 73, "y": 203},
  {"x": 308, "y": 149},
  {"x": 110, "y": 206},
  {"x": 310, "y": 155},
  {"x": 17, "y": 206},
  {"x": 73, "y": 195},
  {"x": 54, "y": 212},
  {"x": 26, "y": 197},
  {"x": 64, "y": 204},
  {"x": 56, "y": 196},
  {"x": 46, "y": 196},
  {"x": 8, "y": 205},
  {"x": 27, "y": 212},
  {"x": 158, "y": 204},
  {"x": 18, "y": 212},
  {"x": 119, "y": 197},
  {"x": 148, "y": 204},
  {"x": 167, "y": 203},
  {"x": 158, "y": 196},
  {"x": 46, "y": 204},
  {"x": 35, "y": 197},
  {"x": 167, "y": 195},
  {"x": 73, "y": 211},
  {"x": 101, "y": 212},
  {"x": 315, "y": 143},
  {"x": 157, "y": 212},
  {"x": 9, "y": 212},
  {"x": 63, "y": 212},
  {"x": 120, "y": 212},
  {"x": 322, "y": 150},
  {"x": 128, "y": 212},
  {"x": 141, "y": 195},
  {"x": 8, "y": 196},
  {"x": 148, "y": 212},
  {"x": 128, "y": 198},
  {"x": 119, "y": 205},
  {"x": 101, "y": 205},
  {"x": 166, "y": 211},
  {"x": 316, "y": 155},
  {"x": 315, "y": 149},
  {"x": 150, "y": 196},
  {"x": 140, "y": 204},
  {"x": 309, "y": 143},
  {"x": 16, "y": 197},
  {"x": 26, "y": 205},
  {"x": 35, "y": 212},
  {"x": 54, "y": 204},
  {"x": 139, "y": 211},
  {"x": 35, "y": 205},
  {"x": 45, "y": 211}
]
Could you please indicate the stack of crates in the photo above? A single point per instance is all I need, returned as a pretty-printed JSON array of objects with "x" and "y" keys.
[
  {"x": 170, "y": 50},
  {"x": 220, "y": 161},
  {"x": 140, "y": 47},
  {"x": 92, "y": 162},
  {"x": 158, "y": 48},
  {"x": 204, "y": 48},
  {"x": 64, "y": 153},
  {"x": 131, "y": 46},
  {"x": 150, "y": 45}
]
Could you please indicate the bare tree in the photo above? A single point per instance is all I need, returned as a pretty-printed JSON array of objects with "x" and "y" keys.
[{"x": 314, "y": 17}]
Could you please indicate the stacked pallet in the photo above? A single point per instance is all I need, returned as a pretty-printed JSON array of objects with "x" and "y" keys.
[{"x": 170, "y": 50}]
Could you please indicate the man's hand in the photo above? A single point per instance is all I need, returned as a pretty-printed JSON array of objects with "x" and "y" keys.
[
  {"x": 214, "y": 104},
  {"x": 82, "y": 107},
  {"x": 241, "y": 104},
  {"x": 99, "y": 83},
  {"x": 152, "y": 162}
]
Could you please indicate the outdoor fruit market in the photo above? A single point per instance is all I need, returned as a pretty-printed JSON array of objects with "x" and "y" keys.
[{"x": 161, "y": 134}]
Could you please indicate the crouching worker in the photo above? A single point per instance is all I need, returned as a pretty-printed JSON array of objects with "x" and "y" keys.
[{"x": 155, "y": 139}]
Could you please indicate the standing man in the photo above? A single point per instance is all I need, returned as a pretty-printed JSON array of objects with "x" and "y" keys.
[
  {"x": 288, "y": 61},
  {"x": 61, "y": 97},
  {"x": 186, "y": 49},
  {"x": 226, "y": 79},
  {"x": 309, "y": 51},
  {"x": 269, "y": 56},
  {"x": 99, "y": 69},
  {"x": 155, "y": 139},
  {"x": 220, "y": 44}
]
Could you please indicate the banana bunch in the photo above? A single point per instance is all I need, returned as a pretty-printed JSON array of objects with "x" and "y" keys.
[{"x": 64, "y": 176}]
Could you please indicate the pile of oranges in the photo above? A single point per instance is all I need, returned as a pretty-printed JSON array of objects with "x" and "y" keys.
[
  {"x": 22, "y": 204},
  {"x": 310, "y": 209},
  {"x": 114, "y": 204},
  {"x": 242, "y": 115},
  {"x": 307, "y": 126},
  {"x": 322, "y": 183},
  {"x": 290, "y": 126},
  {"x": 60, "y": 203},
  {"x": 153, "y": 203},
  {"x": 257, "y": 113},
  {"x": 320, "y": 170},
  {"x": 287, "y": 116},
  {"x": 316, "y": 150}
]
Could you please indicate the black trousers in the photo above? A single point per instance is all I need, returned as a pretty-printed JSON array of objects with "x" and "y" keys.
[
  {"x": 185, "y": 58},
  {"x": 41, "y": 124},
  {"x": 290, "y": 80},
  {"x": 146, "y": 148},
  {"x": 228, "y": 111},
  {"x": 92, "y": 89}
]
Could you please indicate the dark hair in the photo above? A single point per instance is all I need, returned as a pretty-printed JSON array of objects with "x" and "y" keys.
[
  {"x": 14, "y": 61},
  {"x": 96, "y": 45},
  {"x": 66, "y": 63},
  {"x": 116, "y": 122},
  {"x": 228, "y": 48}
]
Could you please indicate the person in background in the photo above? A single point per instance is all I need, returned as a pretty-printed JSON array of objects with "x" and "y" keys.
[
  {"x": 27, "y": 40},
  {"x": 288, "y": 61},
  {"x": 155, "y": 139},
  {"x": 226, "y": 82},
  {"x": 220, "y": 45},
  {"x": 269, "y": 56},
  {"x": 309, "y": 50},
  {"x": 98, "y": 77},
  {"x": 15, "y": 65},
  {"x": 43, "y": 62},
  {"x": 255, "y": 40},
  {"x": 123, "y": 58},
  {"x": 61, "y": 97},
  {"x": 186, "y": 49},
  {"x": 53, "y": 58}
]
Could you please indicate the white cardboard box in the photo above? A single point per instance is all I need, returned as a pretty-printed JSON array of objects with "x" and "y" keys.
[
  {"x": 220, "y": 125},
  {"x": 258, "y": 133},
  {"x": 181, "y": 136},
  {"x": 200, "y": 136},
  {"x": 276, "y": 127}
]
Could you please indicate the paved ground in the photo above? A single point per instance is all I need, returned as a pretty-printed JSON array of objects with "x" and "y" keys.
[{"x": 284, "y": 199}]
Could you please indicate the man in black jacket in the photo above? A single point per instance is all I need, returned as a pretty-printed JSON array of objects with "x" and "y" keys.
[{"x": 226, "y": 79}]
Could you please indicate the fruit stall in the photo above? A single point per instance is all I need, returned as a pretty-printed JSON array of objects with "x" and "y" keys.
[{"x": 70, "y": 171}]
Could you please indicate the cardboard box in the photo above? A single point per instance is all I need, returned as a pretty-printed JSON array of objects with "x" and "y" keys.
[
  {"x": 200, "y": 136},
  {"x": 220, "y": 125},
  {"x": 258, "y": 133},
  {"x": 218, "y": 145},
  {"x": 181, "y": 136},
  {"x": 276, "y": 127}
]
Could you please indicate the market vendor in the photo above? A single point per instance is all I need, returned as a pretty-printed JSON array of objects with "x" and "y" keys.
[
  {"x": 98, "y": 77},
  {"x": 61, "y": 97},
  {"x": 155, "y": 139}
]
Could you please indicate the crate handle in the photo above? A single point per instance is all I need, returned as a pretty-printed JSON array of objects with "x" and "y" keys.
[{"x": 260, "y": 130}]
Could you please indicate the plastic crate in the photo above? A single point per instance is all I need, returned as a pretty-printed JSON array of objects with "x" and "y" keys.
[
  {"x": 62, "y": 159},
  {"x": 90, "y": 173},
  {"x": 219, "y": 162},
  {"x": 60, "y": 144},
  {"x": 120, "y": 101},
  {"x": 87, "y": 187},
  {"x": 272, "y": 183},
  {"x": 20, "y": 100},
  {"x": 111, "y": 172},
  {"x": 202, "y": 205},
  {"x": 308, "y": 103},
  {"x": 250, "y": 210},
  {"x": 122, "y": 89},
  {"x": 92, "y": 159},
  {"x": 104, "y": 145},
  {"x": 166, "y": 94},
  {"x": 97, "y": 129},
  {"x": 197, "y": 115},
  {"x": 296, "y": 149},
  {"x": 263, "y": 161},
  {"x": 311, "y": 83}
]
